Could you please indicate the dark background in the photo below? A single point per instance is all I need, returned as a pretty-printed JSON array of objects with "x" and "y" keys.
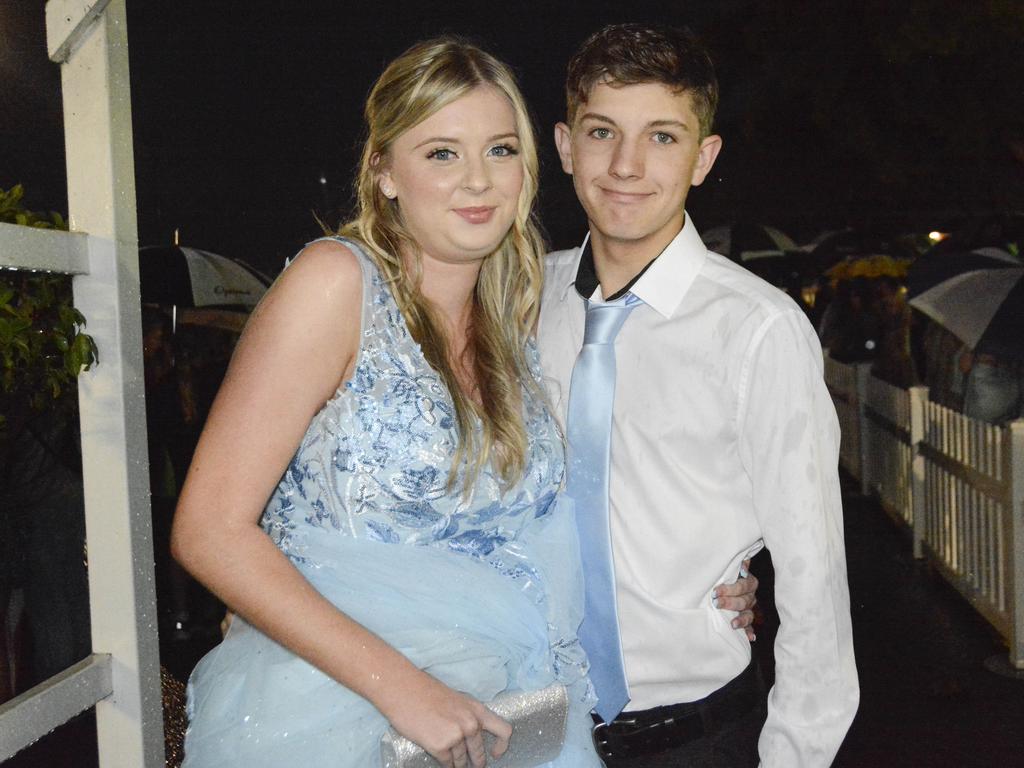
[
  {"x": 903, "y": 116},
  {"x": 896, "y": 114}
]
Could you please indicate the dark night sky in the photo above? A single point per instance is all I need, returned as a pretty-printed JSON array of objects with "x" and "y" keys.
[{"x": 901, "y": 114}]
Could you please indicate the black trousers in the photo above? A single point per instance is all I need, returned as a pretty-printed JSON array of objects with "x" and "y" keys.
[{"x": 728, "y": 741}]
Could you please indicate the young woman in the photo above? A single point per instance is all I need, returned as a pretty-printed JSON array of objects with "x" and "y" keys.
[{"x": 411, "y": 561}]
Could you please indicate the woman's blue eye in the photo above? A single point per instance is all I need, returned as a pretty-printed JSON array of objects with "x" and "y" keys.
[
  {"x": 664, "y": 138},
  {"x": 504, "y": 150},
  {"x": 441, "y": 153},
  {"x": 601, "y": 133}
]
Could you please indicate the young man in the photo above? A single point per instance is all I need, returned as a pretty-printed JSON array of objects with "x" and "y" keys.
[{"x": 723, "y": 437}]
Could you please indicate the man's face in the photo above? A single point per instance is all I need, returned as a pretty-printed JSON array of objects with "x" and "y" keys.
[{"x": 634, "y": 151}]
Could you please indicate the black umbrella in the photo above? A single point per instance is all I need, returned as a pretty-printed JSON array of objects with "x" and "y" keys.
[
  {"x": 1005, "y": 232},
  {"x": 744, "y": 241},
  {"x": 848, "y": 246},
  {"x": 1003, "y": 337}
]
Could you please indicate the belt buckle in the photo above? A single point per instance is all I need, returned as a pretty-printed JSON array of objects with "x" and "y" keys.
[
  {"x": 652, "y": 738},
  {"x": 601, "y": 744}
]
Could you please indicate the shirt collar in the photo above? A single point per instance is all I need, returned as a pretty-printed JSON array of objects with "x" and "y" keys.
[
  {"x": 572, "y": 274},
  {"x": 662, "y": 283}
]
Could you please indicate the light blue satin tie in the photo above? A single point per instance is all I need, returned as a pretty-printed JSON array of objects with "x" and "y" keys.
[{"x": 589, "y": 427}]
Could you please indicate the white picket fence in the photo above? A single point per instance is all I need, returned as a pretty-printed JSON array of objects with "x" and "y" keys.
[{"x": 956, "y": 483}]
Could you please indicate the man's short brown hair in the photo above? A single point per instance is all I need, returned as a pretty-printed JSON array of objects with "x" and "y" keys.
[{"x": 627, "y": 54}]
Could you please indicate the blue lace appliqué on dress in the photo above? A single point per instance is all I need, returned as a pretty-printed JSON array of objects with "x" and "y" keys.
[
  {"x": 468, "y": 588},
  {"x": 375, "y": 461}
]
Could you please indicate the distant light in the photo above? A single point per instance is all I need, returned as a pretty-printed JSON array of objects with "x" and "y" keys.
[
  {"x": 323, "y": 179},
  {"x": 937, "y": 237}
]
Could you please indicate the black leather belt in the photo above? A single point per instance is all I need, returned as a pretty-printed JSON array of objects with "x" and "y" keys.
[{"x": 650, "y": 731}]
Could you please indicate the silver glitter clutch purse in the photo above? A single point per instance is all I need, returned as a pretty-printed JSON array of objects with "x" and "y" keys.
[{"x": 538, "y": 720}]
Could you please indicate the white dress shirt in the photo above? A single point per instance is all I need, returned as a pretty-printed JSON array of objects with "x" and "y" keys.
[{"x": 724, "y": 440}]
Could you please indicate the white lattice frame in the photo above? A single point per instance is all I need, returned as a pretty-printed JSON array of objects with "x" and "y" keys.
[{"x": 121, "y": 678}]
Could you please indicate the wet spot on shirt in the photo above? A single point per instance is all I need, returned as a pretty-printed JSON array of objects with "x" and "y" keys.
[
  {"x": 794, "y": 432},
  {"x": 809, "y": 708},
  {"x": 721, "y": 328}
]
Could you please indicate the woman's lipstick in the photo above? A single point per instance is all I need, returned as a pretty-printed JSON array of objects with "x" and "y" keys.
[{"x": 477, "y": 215}]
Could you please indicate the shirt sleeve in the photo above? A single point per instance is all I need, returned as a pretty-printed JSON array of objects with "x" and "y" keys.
[{"x": 789, "y": 444}]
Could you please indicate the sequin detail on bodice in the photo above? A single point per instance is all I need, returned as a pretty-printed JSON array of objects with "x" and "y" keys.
[{"x": 375, "y": 460}]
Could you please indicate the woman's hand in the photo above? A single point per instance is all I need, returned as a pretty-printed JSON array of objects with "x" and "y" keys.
[{"x": 447, "y": 724}]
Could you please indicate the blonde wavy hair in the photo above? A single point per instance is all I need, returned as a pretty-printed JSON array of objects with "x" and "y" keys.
[{"x": 417, "y": 84}]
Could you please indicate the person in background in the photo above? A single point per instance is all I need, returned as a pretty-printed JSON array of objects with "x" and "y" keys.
[
  {"x": 992, "y": 387},
  {"x": 893, "y": 362}
]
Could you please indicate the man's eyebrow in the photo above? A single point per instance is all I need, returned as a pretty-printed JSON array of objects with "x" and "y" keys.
[
  {"x": 653, "y": 124},
  {"x": 596, "y": 116},
  {"x": 668, "y": 124}
]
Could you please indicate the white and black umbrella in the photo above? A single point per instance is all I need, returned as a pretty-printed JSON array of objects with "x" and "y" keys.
[
  {"x": 192, "y": 278},
  {"x": 938, "y": 266},
  {"x": 984, "y": 308}
]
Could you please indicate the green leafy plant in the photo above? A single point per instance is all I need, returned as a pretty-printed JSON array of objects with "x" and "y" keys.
[
  {"x": 12, "y": 211},
  {"x": 43, "y": 346}
]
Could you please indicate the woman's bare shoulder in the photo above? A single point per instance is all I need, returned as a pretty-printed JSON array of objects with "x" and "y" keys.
[
  {"x": 330, "y": 259},
  {"x": 324, "y": 279},
  {"x": 308, "y": 320}
]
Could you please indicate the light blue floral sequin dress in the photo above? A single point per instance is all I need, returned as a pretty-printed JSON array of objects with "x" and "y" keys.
[{"x": 482, "y": 591}]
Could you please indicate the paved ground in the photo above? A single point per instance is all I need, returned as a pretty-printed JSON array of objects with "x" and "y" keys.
[{"x": 926, "y": 697}]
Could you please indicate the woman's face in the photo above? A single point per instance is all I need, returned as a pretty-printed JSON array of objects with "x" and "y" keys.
[{"x": 457, "y": 177}]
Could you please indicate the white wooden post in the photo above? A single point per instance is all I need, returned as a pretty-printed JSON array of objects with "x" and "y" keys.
[
  {"x": 863, "y": 370},
  {"x": 918, "y": 402},
  {"x": 1015, "y": 535},
  {"x": 89, "y": 40}
]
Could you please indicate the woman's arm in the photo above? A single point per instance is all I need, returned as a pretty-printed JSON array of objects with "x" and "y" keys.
[{"x": 299, "y": 346}]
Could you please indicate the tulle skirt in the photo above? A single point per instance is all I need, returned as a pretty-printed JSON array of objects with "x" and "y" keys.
[{"x": 483, "y": 627}]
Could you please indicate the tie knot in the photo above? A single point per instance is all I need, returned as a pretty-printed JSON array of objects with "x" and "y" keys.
[{"x": 605, "y": 320}]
